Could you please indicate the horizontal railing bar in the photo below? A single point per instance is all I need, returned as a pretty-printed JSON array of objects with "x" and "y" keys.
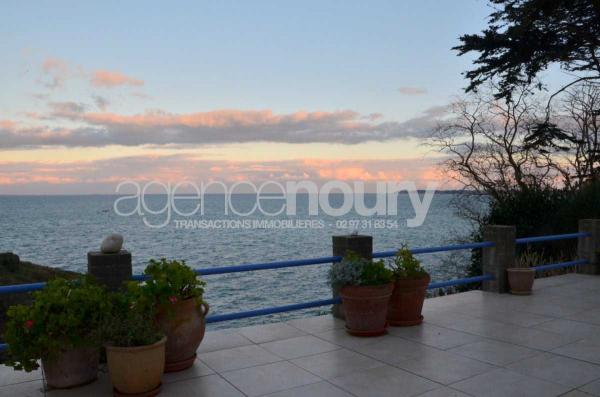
[
  {"x": 460, "y": 281},
  {"x": 553, "y": 237},
  {"x": 560, "y": 265},
  {"x": 3, "y": 347},
  {"x": 18, "y": 288},
  {"x": 269, "y": 265},
  {"x": 271, "y": 310},
  {"x": 430, "y": 250}
]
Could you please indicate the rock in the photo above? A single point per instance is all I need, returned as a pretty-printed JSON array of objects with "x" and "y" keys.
[
  {"x": 9, "y": 261},
  {"x": 112, "y": 244}
]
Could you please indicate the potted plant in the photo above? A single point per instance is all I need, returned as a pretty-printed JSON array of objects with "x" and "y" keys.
[
  {"x": 365, "y": 288},
  {"x": 177, "y": 291},
  {"x": 410, "y": 287},
  {"x": 62, "y": 328},
  {"x": 135, "y": 351},
  {"x": 521, "y": 277}
]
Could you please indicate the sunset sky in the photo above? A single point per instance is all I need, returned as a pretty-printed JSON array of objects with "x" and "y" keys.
[{"x": 94, "y": 93}]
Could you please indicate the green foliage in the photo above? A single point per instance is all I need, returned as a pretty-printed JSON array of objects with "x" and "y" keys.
[
  {"x": 406, "y": 266},
  {"x": 355, "y": 270},
  {"x": 524, "y": 37},
  {"x": 529, "y": 258},
  {"x": 64, "y": 315},
  {"x": 132, "y": 320},
  {"x": 171, "y": 281}
]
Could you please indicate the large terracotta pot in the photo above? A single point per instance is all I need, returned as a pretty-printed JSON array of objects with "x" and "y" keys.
[
  {"x": 72, "y": 368},
  {"x": 184, "y": 324},
  {"x": 407, "y": 301},
  {"x": 136, "y": 370},
  {"x": 365, "y": 308},
  {"x": 520, "y": 280}
]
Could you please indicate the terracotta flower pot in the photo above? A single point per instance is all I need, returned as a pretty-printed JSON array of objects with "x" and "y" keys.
[
  {"x": 136, "y": 370},
  {"x": 407, "y": 301},
  {"x": 72, "y": 368},
  {"x": 520, "y": 280},
  {"x": 365, "y": 308},
  {"x": 183, "y": 323}
]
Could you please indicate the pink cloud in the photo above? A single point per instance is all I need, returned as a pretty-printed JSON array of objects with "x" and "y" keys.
[
  {"x": 106, "y": 78},
  {"x": 56, "y": 72}
]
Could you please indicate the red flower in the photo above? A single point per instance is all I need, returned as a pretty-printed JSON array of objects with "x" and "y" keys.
[
  {"x": 28, "y": 324},
  {"x": 173, "y": 299}
]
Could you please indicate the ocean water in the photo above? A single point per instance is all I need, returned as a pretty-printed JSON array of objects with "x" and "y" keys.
[{"x": 58, "y": 231}]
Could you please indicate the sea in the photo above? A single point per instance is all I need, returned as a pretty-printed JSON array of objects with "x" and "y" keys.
[{"x": 58, "y": 231}]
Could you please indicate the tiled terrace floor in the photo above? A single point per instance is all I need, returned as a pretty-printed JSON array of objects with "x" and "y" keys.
[{"x": 471, "y": 344}]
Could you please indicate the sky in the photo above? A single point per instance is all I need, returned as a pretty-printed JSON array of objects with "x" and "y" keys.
[{"x": 95, "y": 93}]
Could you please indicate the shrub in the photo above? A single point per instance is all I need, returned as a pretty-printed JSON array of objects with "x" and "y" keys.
[
  {"x": 406, "y": 266},
  {"x": 63, "y": 316},
  {"x": 171, "y": 281},
  {"x": 355, "y": 270},
  {"x": 132, "y": 320}
]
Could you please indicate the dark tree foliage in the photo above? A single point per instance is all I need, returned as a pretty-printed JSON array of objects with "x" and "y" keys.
[{"x": 524, "y": 37}]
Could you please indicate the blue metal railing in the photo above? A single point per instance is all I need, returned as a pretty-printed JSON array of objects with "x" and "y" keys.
[{"x": 20, "y": 288}]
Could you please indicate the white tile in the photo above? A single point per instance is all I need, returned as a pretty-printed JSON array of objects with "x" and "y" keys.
[
  {"x": 270, "y": 332},
  {"x": 198, "y": 369},
  {"x": 26, "y": 389},
  {"x": 493, "y": 352},
  {"x": 321, "y": 389},
  {"x": 592, "y": 388},
  {"x": 317, "y": 324},
  {"x": 581, "y": 350},
  {"x": 503, "y": 383},
  {"x": 222, "y": 339},
  {"x": 394, "y": 349},
  {"x": 299, "y": 347},
  {"x": 10, "y": 376},
  {"x": 570, "y": 328},
  {"x": 444, "y": 392},
  {"x": 341, "y": 338},
  {"x": 99, "y": 388},
  {"x": 563, "y": 370},
  {"x": 385, "y": 381},
  {"x": 238, "y": 357},
  {"x": 269, "y": 378},
  {"x": 433, "y": 335},
  {"x": 444, "y": 367},
  {"x": 336, "y": 363},
  {"x": 211, "y": 385}
]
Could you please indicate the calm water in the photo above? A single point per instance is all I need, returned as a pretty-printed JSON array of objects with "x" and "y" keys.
[{"x": 58, "y": 231}]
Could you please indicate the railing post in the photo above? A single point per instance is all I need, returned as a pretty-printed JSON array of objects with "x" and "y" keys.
[
  {"x": 359, "y": 244},
  {"x": 112, "y": 265},
  {"x": 498, "y": 258},
  {"x": 589, "y": 247}
]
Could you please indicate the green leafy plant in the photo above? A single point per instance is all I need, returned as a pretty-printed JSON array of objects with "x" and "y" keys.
[
  {"x": 63, "y": 316},
  {"x": 529, "y": 258},
  {"x": 406, "y": 266},
  {"x": 132, "y": 320},
  {"x": 171, "y": 281},
  {"x": 355, "y": 270}
]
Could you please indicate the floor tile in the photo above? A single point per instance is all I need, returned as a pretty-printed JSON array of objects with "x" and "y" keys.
[
  {"x": 576, "y": 393},
  {"x": 317, "y": 324},
  {"x": 592, "y": 388},
  {"x": 10, "y": 376},
  {"x": 269, "y": 378},
  {"x": 503, "y": 383},
  {"x": 493, "y": 352},
  {"x": 581, "y": 350},
  {"x": 321, "y": 389},
  {"x": 270, "y": 332},
  {"x": 433, "y": 335},
  {"x": 222, "y": 339},
  {"x": 100, "y": 388},
  {"x": 211, "y": 385},
  {"x": 299, "y": 347},
  {"x": 25, "y": 389},
  {"x": 558, "y": 369},
  {"x": 443, "y": 392},
  {"x": 341, "y": 338},
  {"x": 336, "y": 363},
  {"x": 394, "y": 349},
  {"x": 444, "y": 367},
  {"x": 238, "y": 357},
  {"x": 385, "y": 381},
  {"x": 198, "y": 369},
  {"x": 570, "y": 328}
]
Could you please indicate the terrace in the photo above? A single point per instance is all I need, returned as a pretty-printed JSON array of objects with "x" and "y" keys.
[
  {"x": 471, "y": 344},
  {"x": 477, "y": 343}
]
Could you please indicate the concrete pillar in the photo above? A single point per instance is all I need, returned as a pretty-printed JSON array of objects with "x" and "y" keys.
[
  {"x": 498, "y": 258},
  {"x": 112, "y": 270},
  {"x": 359, "y": 244},
  {"x": 589, "y": 247}
]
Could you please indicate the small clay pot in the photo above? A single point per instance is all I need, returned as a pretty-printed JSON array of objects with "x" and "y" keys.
[
  {"x": 407, "y": 300},
  {"x": 72, "y": 368},
  {"x": 365, "y": 308},
  {"x": 136, "y": 371},
  {"x": 520, "y": 280},
  {"x": 183, "y": 323}
]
